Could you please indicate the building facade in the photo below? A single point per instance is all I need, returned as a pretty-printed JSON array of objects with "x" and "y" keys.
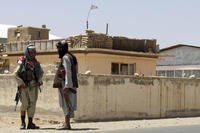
[
  {"x": 95, "y": 53},
  {"x": 183, "y": 61}
]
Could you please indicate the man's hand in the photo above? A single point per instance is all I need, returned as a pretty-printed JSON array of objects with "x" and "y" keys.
[
  {"x": 66, "y": 94},
  {"x": 40, "y": 83},
  {"x": 22, "y": 86},
  {"x": 66, "y": 91}
]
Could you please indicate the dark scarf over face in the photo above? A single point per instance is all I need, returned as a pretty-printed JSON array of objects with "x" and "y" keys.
[{"x": 62, "y": 49}]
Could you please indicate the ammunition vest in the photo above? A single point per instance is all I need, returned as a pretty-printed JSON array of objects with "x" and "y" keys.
[{"x": 26, "y": 72}]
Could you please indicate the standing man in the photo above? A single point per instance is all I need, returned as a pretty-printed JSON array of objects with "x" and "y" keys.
[
  {"x": 29, "y": 78},
  {"x": 67, "y": 93}
]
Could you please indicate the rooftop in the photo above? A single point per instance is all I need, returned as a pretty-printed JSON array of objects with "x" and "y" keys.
[{"x": 176, "y": 46}]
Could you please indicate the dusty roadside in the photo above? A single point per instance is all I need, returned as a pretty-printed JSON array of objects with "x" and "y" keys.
[{"x": 48, "y": 121}]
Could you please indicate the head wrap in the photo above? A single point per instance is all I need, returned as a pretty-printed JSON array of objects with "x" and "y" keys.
[
  {"x": 62, "y": 48},
  {"x": 28, "y": 48}
]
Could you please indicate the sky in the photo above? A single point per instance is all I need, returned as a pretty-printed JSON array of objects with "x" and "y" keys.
[{"x": 170, "y": 22}]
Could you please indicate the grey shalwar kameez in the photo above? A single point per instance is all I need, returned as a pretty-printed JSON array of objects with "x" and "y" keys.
[{"x": 68, "y": 107}]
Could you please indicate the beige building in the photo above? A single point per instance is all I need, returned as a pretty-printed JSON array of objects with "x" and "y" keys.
[
  {"x": 21, "y": 33},
  {"x": 96, "y": 52},
  {"x": 103, "y": 61}
]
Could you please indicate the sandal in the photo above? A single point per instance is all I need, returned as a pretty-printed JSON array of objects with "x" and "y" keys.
[{"x": 63, "y": 127}]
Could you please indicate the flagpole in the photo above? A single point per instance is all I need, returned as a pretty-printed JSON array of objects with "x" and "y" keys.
[
  {"x": 87, "y": 24},
  {"x": 91, "y": 8}
]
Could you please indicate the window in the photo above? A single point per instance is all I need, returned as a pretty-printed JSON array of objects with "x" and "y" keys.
[
  {"x": 187, "y": 73},
  {"x": 178, "y": 73},
  {"x": 17, "y": 34},
  {"x": 160, "y": 73},
  {"x": 132, "y": 69},
  {"x": 123, "y": 68},
  {"x": 170, "y": 73},
  {"x": 37, "y": 35},
  {"x": 196, "y": 73},
  {"x": 115, "y": 68}
]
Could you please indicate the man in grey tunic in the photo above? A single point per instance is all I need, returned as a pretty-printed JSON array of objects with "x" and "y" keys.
[
  {"x": 29, "y": 77},
  {"x": 67, "y": 94}
]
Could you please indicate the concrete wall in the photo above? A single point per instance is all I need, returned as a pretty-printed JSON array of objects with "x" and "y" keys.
[{"x": 118, "y": 97}]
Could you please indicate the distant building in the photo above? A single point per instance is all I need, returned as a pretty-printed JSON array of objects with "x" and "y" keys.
[
  {"x": 21, "y": 33},
  {"x": 183, "y": 61}
]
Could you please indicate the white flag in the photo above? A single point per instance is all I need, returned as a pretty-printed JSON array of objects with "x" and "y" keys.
[{"x": 93, "y": 7}]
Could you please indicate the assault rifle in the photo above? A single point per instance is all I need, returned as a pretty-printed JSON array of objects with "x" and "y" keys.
[{"x": 17, "y": 96}]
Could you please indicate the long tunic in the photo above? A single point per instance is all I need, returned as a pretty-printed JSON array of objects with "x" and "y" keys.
[{"x": 68, "y": 107}]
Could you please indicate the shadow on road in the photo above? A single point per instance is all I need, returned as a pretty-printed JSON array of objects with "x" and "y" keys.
[{"x": 73, "y": 129}]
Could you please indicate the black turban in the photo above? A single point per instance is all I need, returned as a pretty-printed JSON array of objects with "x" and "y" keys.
[{"x": 62, "y": 48}]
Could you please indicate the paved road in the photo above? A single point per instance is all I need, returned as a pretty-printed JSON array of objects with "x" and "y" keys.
[
  {"x": 10, "y": 122},
  {"x": 173, "y": 129}
]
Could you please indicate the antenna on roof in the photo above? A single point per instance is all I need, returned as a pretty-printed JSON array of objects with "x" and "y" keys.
[{"x": 106, "y": 28}]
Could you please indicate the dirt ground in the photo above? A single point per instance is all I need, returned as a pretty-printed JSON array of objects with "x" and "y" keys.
[{"x": 48, "y": 121}]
